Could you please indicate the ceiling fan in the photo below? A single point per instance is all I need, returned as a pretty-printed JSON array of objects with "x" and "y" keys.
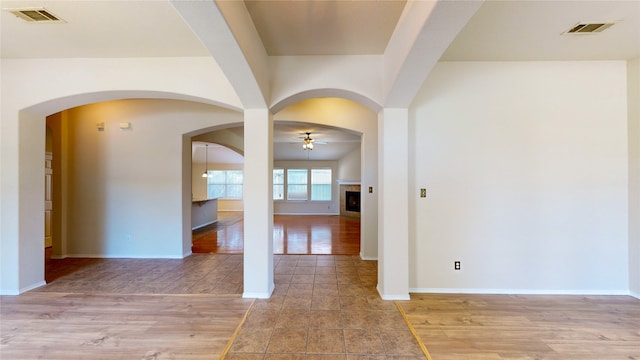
[{"x": 307, "y": 142}]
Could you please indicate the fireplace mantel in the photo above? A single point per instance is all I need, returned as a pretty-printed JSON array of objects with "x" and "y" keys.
[{"x": 348, "y": 182}]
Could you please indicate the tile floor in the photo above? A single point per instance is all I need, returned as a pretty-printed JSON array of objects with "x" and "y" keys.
[
  {"x": 324, "y": 307},
  {"x": 196, "y": 274}
]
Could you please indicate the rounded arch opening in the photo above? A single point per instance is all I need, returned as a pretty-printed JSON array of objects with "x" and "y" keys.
[
  {"x": 326, "y": 93},
  {"x": 30, "y": 194},
  {"x": 349, "y": 115}
]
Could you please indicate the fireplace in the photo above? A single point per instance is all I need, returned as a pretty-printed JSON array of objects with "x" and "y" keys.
[
  {"x": 349, "y": 199},
  {"x": 352, "y": 201}
]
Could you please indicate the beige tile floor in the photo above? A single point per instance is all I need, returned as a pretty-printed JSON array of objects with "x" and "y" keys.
[
  {"x": 196, "y": 274},
  {"x": 325, "y": 307}
]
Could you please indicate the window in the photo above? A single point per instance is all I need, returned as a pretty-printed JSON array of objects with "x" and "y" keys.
[
  {"x": 278, "y": 184},
  {"x": 320, "y": 184},
  {"x": 225, "y": 184},
  {"x": 297, "y": 184}
]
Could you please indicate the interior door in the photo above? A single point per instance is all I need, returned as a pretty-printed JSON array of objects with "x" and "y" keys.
[{"x": 48, "y": 203}]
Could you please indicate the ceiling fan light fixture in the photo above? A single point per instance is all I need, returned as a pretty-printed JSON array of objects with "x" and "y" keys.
[{"x": 308, "y": 142}]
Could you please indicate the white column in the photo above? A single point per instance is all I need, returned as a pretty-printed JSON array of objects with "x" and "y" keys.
[
  {"x": 393, "y": 204},
  {"x": 258, "y": 204}
]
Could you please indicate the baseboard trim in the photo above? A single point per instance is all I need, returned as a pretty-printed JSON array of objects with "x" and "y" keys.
[
  {"x": 366, "y": 258},
  {"x": 308, "y": 214},
  {"x": 22, "y": 290},
  {"x": 259, "y": 295},
  {"x": 203, "y": 225},
  {"x": 634, "y": 294},
  {"x": 392, "y": 296},
  {"x": 125, "y": 256},
  {"x": 516, "y": 291},
  {"x": 34, "y": 286}
]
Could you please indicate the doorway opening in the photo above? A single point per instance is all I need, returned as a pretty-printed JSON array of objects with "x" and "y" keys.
[{"x": 309, "y": 216}]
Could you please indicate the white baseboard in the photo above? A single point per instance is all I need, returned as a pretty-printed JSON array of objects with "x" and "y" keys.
[
  {"x": 203, "y": 225},
  {"x": 23, "y": 290},
  {"x": 392, "y": 296},
  {"x": 634, "y": 294},
  {"x": 308, "y": 214},
  {"x": 367, "y": 258},
  {"x": 125, "y": 256},
  {"x": 516, "y": 291},
  {"x": 259, "y": 295}
]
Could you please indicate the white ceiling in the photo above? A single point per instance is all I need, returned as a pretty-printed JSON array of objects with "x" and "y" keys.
[
  {"x": 329, "y": 144},
  {"x": 533, "y": 30},
  {"x": 214, "y": 154},
  {"x": 325, "y": 27},
  {"x": 501, "y": 30},
  {"x": 91, "y": 29}
]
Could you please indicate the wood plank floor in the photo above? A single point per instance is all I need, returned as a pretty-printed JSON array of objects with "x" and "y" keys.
[
  {"x": 298, "y": 235},
  {"x": 49, "y": 325},
  {"x": 469, "y": 327}
]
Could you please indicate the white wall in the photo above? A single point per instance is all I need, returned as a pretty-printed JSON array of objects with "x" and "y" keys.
[
  {"x": 349, "y": 74},
  {"x": 126, "y": 185},
  {"x": 350, "y": 165},
  {"x": 525, "y": 165},
  {"x": 309, "y": 207},
  {"x": 633, "y": 81}
]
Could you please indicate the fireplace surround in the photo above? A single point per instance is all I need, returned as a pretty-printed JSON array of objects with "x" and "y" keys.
[{"x": 351, "y": 207}]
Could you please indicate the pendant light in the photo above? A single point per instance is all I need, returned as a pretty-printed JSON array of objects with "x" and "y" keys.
[{"x": 206, "y": 156}]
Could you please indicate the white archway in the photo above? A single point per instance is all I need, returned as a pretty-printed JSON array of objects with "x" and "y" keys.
[
  {"x": 333, "y": 109},
  {"x": 23, "y": 188}
]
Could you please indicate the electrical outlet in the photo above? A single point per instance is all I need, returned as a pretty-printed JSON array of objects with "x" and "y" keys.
[
  {"x": 423, "y": 193},
  {"x": 456, "y": 265}
]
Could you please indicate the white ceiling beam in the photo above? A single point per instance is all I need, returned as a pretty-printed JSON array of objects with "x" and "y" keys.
[
  {"x": 226, "y": 30},
  {"x": 425, "y": 30}
]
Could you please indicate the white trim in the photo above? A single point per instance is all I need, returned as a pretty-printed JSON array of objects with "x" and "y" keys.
[
  {"x": 205, "y": 224},
  {"x": 308, "y": 214},
  {"x": 634, "y": 294},
  {"x": 366, "y": 258},
  {"x": 125, "y": 256},
  {"x": 349, "y": 182},
  {"x": 393, "y": 296},
  {"x": 260, "y": 295},
  {"x": 9, "y": 293},
  {"x": 251, "y": 295},
  {"x": 516, "y": 291},
  {"x": 24, "y": 289}
]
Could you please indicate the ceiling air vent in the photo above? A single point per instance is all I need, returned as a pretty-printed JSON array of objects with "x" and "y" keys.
[
  {"x": 35, "y": 15},
  {"x": 589, "y": 28}
]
